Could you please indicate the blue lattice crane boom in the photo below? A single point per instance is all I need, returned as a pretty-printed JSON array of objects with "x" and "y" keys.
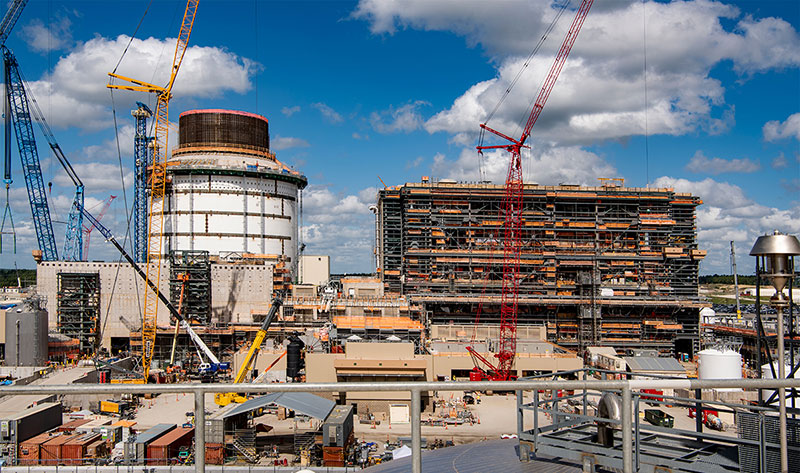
[
  {"x": 143, "y": 160},
  {"x": 18, "y": 114},
  {"x": 73, "y": 243}
]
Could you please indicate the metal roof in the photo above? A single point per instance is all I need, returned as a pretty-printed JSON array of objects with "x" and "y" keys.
[
  {"x": 491, "y": 455},
  {"x": 651, "y": 363},
  {"x": 304, "y": 403}
]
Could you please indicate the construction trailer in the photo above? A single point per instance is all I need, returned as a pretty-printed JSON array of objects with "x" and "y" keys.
[
  {"x": 16, "y": 427},
  {"x": 605, "y": 265},
  {"x": 136, "y": 447}
]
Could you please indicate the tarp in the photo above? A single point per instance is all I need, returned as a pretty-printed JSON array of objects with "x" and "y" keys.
[
  {"x": 401, "y": 452},
  {"x": 303, "y": 403}
]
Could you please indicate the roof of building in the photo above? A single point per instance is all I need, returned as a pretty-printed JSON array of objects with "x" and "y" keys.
[
  {"x": 492, "y": 455},
  {"x": 608, "y": 351},
  {"x": 303, "y": 403},
  {"x": 651, "y": 363}
]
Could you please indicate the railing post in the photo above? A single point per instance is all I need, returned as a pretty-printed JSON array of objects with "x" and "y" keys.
[
  {"x": 199, "y": 432},
  {"x": 627, "y": 421},
  {"x": 416, "y": 432}
]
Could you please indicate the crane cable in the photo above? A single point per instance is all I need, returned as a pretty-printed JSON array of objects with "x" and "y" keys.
[{"x": 517, "y": 77}]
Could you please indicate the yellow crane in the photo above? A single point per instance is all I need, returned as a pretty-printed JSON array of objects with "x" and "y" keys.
[
  {"x": 158, "y": 181},
  {"x": 223, "y": 399}
]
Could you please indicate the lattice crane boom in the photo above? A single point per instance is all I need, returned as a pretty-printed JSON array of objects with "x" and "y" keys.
[
  {"x": 142, "y": 162},
  {"x": 512, "y": 207},
  {"x": 87, "y": 229},
  {"x": 158, "y": 180}
]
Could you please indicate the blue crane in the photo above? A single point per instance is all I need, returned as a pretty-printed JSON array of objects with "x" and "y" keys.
[{"x": 143, "y": 160}]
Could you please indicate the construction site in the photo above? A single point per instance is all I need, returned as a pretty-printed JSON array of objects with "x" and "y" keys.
[{"x": 474, "y": 282}]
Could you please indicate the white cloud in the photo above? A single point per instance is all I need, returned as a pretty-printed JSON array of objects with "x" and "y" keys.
[
  {"x": 775, "y": 130},
  {"x": 359, "y": 136},
  {"x": 341, "y": 226},
  {"x": 600, "y": 92},
  {"x": 289, "y": 111},
  {"x": 415, "y": 163},
  {"x": 727, "y": 214},
  {"x": 704, "y": 165},
  {"x": 76, "y": 89},
  {"x": 543, "y": 165},
  {"x": 328, "y": 113},
  {"x": 98, "y": 176},
  {"x": 285, "y": 142},
  {"x": 779, "y": 161},
  {"x": 403, "y": 119},
  {"x": 54, "y": 36}
]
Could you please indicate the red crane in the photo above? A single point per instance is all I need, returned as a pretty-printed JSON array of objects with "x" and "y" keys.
[
  {"x": 87, "y": 230},
  {"x": 512, "y": 224}
]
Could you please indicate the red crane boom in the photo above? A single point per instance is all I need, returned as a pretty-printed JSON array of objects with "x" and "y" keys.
[
  {"x": 87, "y": 229},
  {"x": 512, "y": 222}
]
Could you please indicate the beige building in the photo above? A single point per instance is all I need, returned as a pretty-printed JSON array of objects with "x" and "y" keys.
[
  {"x": 237, "y": 292},
  {"x": 315, "y": 269}
]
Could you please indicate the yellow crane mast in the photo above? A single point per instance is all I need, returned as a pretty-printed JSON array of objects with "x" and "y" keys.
[{"x": 158, "y": 181}]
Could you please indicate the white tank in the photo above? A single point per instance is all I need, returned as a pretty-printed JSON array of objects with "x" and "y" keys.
[
  {"x": 713, "y": 363},
  {"x": 227, "y": 192}
]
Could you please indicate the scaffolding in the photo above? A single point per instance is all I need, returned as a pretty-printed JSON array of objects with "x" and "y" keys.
[
  {"x": 599, "y": 265},
  {"x": 195, "y": 264},
  {"x": 78, "y": 308}
]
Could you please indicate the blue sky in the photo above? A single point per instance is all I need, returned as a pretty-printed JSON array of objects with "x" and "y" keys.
[{"x": 355, "y": 91}]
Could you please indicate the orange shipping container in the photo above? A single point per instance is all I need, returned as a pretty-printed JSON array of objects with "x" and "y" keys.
[
  {"x": 165, "y": 448},
  {"x": 50, "y": 451},
  {"x": 29, "y": 450},
  {"x": 215, "y": 454},
  {"x": 74, "y": 451}
]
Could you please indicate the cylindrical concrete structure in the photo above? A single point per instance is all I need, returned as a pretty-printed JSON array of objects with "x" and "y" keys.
[
  {"x": 26, "y": 336},
  {"x": 227, "y": 192}
]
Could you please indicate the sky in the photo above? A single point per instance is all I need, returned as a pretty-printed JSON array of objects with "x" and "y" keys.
[{"x": 700, "y": 96}]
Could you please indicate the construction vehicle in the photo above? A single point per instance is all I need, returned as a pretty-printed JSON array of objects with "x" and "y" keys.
[
  {"x": 158, "y": 181},
  {"x": 223, "y": 399},
  {"x": 512, "y": 226},
  {"x": 213, "y": 365},
  {"x": 117, "y": 408}
]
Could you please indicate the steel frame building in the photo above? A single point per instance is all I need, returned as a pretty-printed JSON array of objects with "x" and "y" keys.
[
  {"x": 79, "y": 308},
  {"x": 599, "y": 265}
]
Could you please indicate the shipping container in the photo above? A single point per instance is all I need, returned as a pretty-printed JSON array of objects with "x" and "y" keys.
[
  {"x": 110, "y": 433},
  {"x": 215, "y": 454},
  {"x": 29, "y": 450},
  {"x": 92, "y": 424},
  {"x": 97, "y": 449},
  {"x": 73, "y": 424},
  {"x": 338, "y": 426},
  {"x": 333, "y": 456},
  {"x": 30, "y": 422},
  {"x": 166, "y": 448},
  {"x": 140, "y": 443},
  {"x": 50, "y": 451},
  {"x": 73, "y": 452}
]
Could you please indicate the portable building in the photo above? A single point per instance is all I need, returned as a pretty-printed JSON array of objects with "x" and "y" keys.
[{"x": 338, "y": 427}]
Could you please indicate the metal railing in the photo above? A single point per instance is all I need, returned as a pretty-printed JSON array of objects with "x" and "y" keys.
[{"x": 626, "y": 387}]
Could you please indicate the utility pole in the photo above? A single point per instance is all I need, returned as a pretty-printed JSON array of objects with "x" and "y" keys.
[{"x": 735, "y": 282}]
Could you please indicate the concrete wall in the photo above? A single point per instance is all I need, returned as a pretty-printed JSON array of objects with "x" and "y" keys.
[
  {"x": 236, "y": 291},
  {"x": 362, "y": 287},
  {"x": 315, "y": 269}
]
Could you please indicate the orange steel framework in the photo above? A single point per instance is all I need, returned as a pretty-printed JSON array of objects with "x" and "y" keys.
[{"x": 158, "y": 180}]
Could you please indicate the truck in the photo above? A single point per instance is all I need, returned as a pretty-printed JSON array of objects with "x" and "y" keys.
[{"x": 118, "y": 408}]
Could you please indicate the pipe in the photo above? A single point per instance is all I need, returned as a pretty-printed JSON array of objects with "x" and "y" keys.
[
  {"x": 627, "y": 440},
  {"x": 199, "y": 432},
  {"x": 782, "y": 395},
  {"x": 416, "y": 432}
]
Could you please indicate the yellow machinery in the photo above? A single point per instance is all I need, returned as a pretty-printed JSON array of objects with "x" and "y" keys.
[
  {"x": 223, "y": 399},
  {"x": 158, "y": 181}
]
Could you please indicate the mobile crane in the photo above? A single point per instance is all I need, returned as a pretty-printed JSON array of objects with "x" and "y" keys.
[
  {"x": 223, "y": 399},
  {"x": 214, "y": 365}
]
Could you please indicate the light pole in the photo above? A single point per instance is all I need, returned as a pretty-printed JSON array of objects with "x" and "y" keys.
[{"x": 778, "y": 252}]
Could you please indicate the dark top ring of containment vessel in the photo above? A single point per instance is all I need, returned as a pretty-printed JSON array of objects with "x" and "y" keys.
[{"x": 223, "y": 128}]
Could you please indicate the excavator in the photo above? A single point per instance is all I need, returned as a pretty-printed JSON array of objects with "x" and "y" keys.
[{"x": 223, "y": 399}]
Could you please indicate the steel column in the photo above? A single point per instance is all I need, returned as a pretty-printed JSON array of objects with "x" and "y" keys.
[
  {"x": 199, "y": 432},
  {"x": 416, "y": 432},
  {"x": 627, "y": 437}
]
